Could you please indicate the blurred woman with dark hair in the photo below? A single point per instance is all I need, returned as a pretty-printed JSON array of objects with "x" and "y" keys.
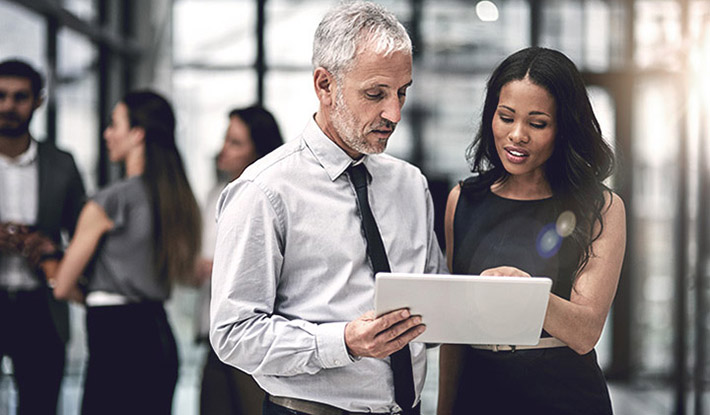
[
  {"x": 134, "y": 239},
  {"x": 537, "y": 205},
  {"x": 252, "y": 133}
]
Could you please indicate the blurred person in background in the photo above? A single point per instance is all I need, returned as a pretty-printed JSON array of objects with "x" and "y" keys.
[
  {"x": 252, "y": 133},
  {"x": 134, "y": 239},
  {"x": 536, "y": 206},
  {"x": 41, "y": 195}
]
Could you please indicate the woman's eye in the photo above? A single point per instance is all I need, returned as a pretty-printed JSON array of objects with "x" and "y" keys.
[
  {"x": 373, "y": 96},
  {"x": 539, "y": 125},
  {"x": 505, "y": 119}
]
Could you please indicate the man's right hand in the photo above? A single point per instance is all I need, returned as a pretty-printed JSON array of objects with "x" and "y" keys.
[
  {"x": 11, "y": 237},
  {"x": 379, "y": 337}
]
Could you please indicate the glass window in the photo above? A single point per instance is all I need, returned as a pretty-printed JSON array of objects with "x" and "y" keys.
[
  {"x": 78, "y": 129},
  {"x": 590, "y": 32},
  {"x": 654, "y": 150},
  {"x": 214, "y": 32},
  {"x": 292, "y": 99},
  {"x": 562, "y": 28},
  {"x": 455, "y": 36},
  {"x": 658, "y": 34},
  {"x": 23, "y": 38},
  {"x": 451, "y": 108},
  {"x": 290, "y": 26},
  {"x": 84, "y": 9},
  {"x": 202, "y": 101},
  {"x": 597, "y": 36}
]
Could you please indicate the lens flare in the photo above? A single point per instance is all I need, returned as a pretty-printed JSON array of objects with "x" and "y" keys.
[
  {"x": 566, "y": 223},
  {"x": 487, "y": 11},
  {"x": 548, "y": 241}
]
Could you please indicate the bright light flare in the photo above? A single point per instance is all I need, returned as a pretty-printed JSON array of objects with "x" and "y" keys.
[
  {"x": 549, "y": 240},
  {"x": 487, "y": 11},
  {"x": 566, "y": 223}
]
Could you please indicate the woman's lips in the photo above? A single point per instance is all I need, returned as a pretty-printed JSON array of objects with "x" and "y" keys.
[{"x": 516, "y": 155}]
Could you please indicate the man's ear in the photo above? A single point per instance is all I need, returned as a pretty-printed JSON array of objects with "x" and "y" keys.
[
  {"x": 324, "y": 83},
  {"x": 38, "y": 102}
]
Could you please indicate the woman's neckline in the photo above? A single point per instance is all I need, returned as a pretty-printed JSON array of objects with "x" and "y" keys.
[{"x": 542, "y": 199}]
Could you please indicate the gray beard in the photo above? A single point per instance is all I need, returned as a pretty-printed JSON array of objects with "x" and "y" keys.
[{"x": 345, "y": 125}]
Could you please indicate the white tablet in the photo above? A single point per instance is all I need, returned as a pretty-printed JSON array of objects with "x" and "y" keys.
[{"x": 468, "y": 309}]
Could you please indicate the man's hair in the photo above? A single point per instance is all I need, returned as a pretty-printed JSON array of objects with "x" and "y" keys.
[
  {"x": 21, "y": 69},
  {"x": 352, "y": 25}
]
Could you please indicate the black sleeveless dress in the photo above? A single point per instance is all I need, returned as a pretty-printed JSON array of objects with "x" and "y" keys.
[{"x": 491, "y": 231}]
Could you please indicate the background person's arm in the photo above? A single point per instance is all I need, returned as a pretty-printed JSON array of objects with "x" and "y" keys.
[{"x": 93, "y": 223}]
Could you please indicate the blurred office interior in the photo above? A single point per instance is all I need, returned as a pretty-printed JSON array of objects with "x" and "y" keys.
[{"x": 646, "y": 64}]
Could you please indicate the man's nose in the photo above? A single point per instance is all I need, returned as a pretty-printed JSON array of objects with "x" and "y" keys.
[
  {"x": 392, "y": 110},
  {"x": 6, "y": 103}
]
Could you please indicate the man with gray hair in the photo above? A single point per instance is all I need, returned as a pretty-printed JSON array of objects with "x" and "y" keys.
[{"x": 301, "y": 234}]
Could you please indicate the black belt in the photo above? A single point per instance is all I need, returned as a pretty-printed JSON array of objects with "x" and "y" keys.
[{"x": 316, "y": 408}]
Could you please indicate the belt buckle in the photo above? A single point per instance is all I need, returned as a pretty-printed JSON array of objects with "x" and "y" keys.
[{"x": 499, "y": 348}]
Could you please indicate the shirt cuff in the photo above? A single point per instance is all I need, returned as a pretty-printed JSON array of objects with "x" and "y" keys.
[{"x": 330, "y": 341}]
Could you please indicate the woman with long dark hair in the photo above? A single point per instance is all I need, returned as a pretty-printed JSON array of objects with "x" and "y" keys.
[
  {"x": 134, "y": 239},
  {"x": 537, "y": 205},
  {"x": 252, "y": 133}
]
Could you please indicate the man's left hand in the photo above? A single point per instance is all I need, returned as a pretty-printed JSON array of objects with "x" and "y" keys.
[{"x": 36, "y": 246}]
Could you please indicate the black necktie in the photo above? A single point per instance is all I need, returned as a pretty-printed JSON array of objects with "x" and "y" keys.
[{"x": 401, "y": 360}]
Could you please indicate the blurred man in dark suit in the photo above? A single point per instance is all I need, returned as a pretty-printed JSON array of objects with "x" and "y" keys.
[{"x": 42, "y": 194}]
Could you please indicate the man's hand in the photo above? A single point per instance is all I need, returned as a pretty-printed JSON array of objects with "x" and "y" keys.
[
  {"x": 11, "y": 237},
  {"x": 505, "y": 271},
  {"x": 380, "y": 337},
  {"x": 36, "y": 246}
]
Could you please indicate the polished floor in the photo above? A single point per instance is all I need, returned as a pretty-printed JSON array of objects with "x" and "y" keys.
[{"x": 627, "y": 400}]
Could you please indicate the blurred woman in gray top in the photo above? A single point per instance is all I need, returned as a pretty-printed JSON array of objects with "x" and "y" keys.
[{"x": 133, "y": 240}]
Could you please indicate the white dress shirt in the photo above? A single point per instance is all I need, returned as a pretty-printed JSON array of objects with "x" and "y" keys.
[
  {"x": 19, "y": 195},
  {"x": 291, "y": 269}
]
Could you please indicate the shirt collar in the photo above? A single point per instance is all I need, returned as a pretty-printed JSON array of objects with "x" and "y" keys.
[
  {"x": 24, "y": 159},
  {"x": 333, "y": 158}
]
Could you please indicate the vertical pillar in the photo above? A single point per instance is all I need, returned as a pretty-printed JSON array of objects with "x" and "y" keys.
[
  {"x": 260, "y": 63},
  {"x": 51, "y": 76}
]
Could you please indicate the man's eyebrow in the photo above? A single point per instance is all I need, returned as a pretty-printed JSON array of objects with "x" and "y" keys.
[{"x": 381, "y": 85}]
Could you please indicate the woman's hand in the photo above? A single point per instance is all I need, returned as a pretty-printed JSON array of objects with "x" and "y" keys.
[{"x": 505, "y": 271}]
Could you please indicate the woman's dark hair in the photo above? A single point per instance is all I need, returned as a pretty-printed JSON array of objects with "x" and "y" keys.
[
  {"x": 581, "y": 159},
  {"x": 176, "y": 215},
  {"x": 264, "y": 130}
]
